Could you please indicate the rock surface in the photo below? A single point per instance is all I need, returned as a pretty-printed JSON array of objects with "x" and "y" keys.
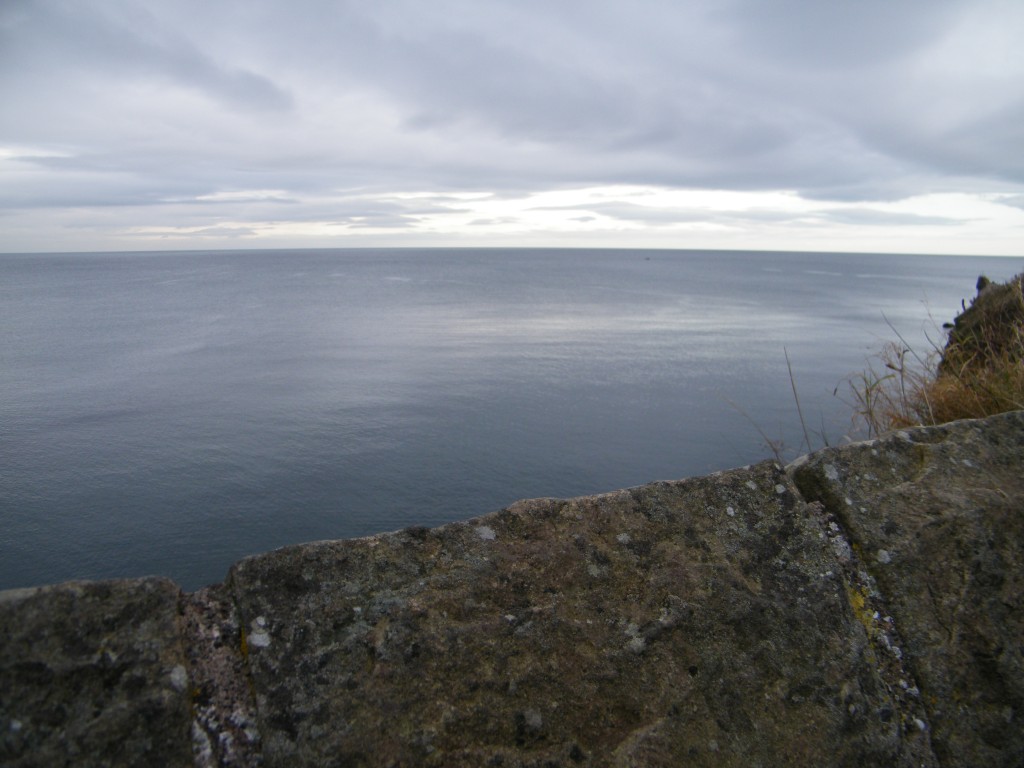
[
  {"x": 93, "y": 673},
  {"x": 872, "y": 617},
  {"x": 936, "y": 513},
  {"x": 700, "y": 622}
]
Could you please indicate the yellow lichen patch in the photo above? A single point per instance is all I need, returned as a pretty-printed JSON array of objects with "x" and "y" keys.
[{"x": 858, "y": 597}]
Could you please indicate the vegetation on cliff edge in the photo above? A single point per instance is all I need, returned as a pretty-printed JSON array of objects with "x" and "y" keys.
[{"x": 979, "y": 372}]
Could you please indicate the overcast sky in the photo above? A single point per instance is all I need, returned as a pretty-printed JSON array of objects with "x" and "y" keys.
[{"x": 876, "y": 125}]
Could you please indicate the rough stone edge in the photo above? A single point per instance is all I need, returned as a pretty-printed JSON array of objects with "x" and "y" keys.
[
  {"x": 224, "y": 723},
  {"x": 869, "y": 606},
  {"x": 867, "y": 600},
  {"x": 177, "y": 677},
  {"x": 884, "y": 655}
]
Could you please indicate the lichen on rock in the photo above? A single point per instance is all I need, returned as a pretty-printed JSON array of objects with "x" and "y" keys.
[
  {"x": 937, "y": 511},
  {"x": 92, "y": 673},
  {"x": 643, "y": 627}
]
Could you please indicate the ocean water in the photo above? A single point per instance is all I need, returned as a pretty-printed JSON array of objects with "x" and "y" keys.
[{"x": 170, "y": 413}]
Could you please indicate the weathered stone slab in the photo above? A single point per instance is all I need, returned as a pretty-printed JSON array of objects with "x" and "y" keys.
[
  {"x": 937, "y": 515},
  {"x": 702, "y": 622},
  {"x": 93, "y": 673}
]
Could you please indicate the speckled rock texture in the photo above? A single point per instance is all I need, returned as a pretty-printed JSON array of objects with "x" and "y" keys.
[
  {"x": 93, "y": 674},
  {"x": 702, "y": 622},
  {"x": 870, "y": 618},
  {"x": 224, "y": 731},
  {"x": 937, "y": 516}
]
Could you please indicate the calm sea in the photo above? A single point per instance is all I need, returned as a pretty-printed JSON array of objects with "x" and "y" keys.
[{"x": 169, "y": 413}]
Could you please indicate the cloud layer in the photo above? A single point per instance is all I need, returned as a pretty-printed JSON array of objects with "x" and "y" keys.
[{"x": 129, "y": 123}]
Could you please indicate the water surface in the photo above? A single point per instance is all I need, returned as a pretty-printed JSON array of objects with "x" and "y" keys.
[{"x": 169, "y": 413}]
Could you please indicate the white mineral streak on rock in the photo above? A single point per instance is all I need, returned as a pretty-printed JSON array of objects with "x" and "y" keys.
[
  {"x": 623, "y": 538},
  {"x": 636, "y": 645},
  {"x": 258, "y": 637},
  {"x": 533, "y": 719},
  {"x": 799, "y": 461},
  {"x": 486, "y": 533},
  {"x": 202, "y": 749},
  {"x": 179, "y": 678},
  {"x": 636, "y": 642},
  {"x": 884, "y": 557},
  {"x": 831, "y": 472}
]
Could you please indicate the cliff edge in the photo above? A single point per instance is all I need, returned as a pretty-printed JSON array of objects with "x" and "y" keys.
[{"x": 859, "y": 607}]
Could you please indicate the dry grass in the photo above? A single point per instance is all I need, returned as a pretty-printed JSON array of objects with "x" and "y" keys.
[{"x": 979, "y": 372}]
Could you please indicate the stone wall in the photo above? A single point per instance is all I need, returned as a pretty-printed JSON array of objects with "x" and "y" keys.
[{"x": 860, "y": 607}]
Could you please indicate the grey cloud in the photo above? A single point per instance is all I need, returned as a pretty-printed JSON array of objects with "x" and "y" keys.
[
  {"x": 625, "y": 211},
  {"x": 149, "y": 103},
  {"x": 1014, "y": 201},
  {"x": 497, "y": 221},
  {"x": 871, "y": 217},
  {"x": 380, "y": 222},
  {"x": 124, "y": 41},
  {"x": 967, "y": 148},
  {"x": 666, "y": 216},
  {"x": 840, "y": 35},
  {"x": 234, "y": 233}
]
